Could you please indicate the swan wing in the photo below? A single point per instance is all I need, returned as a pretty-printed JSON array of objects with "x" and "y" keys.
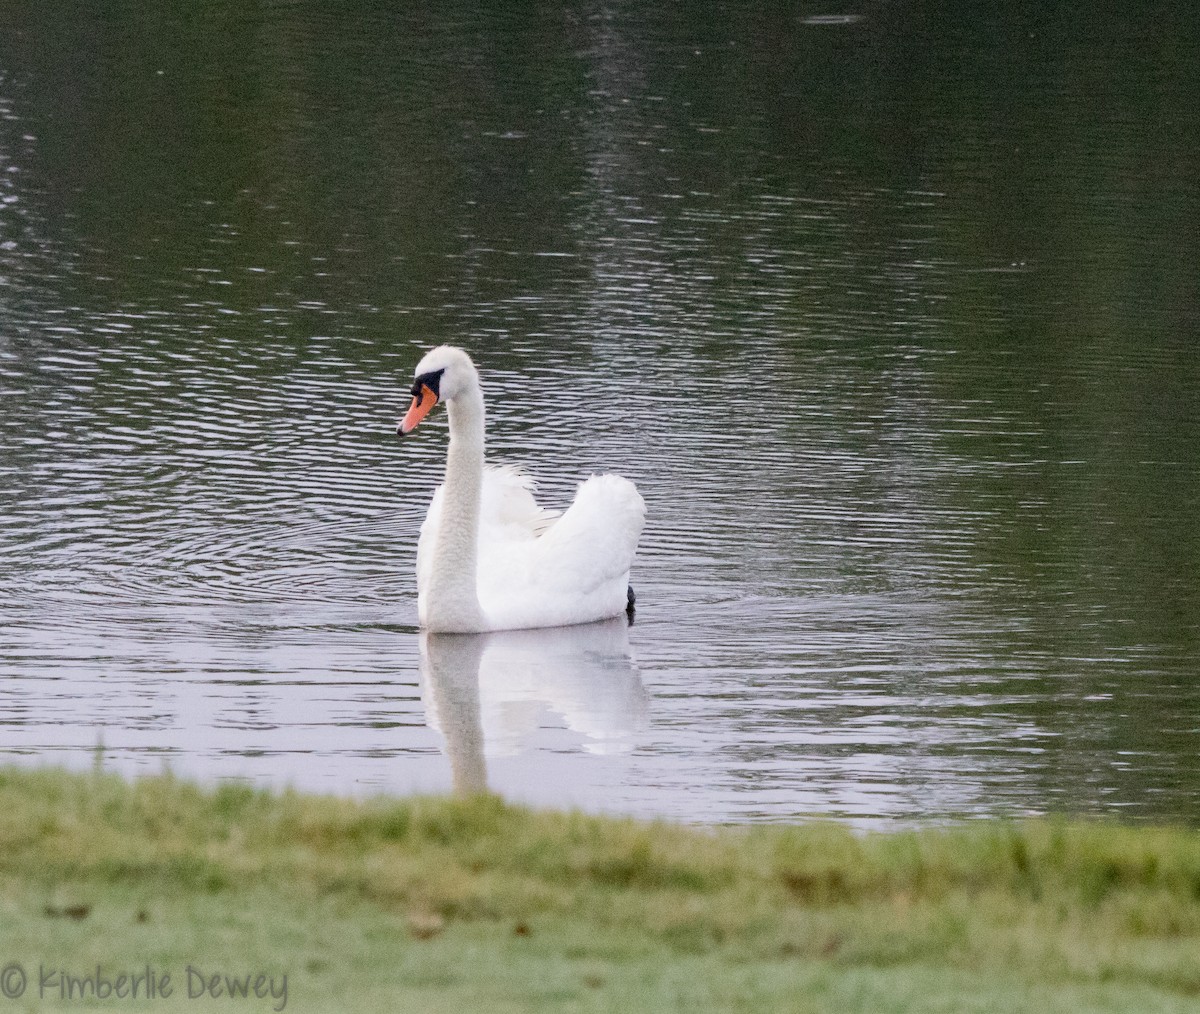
[
  {"x": 576, "y": 571},
  {"x": 595, "y": 539},
  {"x": 507, "y": 503},
  {"x": 508, "y": 513}
]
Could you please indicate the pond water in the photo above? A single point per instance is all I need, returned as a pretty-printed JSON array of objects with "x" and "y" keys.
[{"x": 894, "y": 321}]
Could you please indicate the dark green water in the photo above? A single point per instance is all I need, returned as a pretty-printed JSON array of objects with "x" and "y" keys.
[{"x": 893, "y": 316}]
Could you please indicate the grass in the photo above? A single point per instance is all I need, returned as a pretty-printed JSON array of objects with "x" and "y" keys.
[{"x": 476, "y": 905}]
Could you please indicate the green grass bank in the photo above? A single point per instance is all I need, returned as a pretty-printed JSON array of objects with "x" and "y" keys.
[{"x": 476, "y": 905}]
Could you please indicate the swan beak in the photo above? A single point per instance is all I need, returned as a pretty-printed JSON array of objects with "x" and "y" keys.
[{"x": 418, "y": 410}]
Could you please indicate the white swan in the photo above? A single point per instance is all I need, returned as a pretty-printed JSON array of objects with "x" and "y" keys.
[{"x": 489, "y": 558}]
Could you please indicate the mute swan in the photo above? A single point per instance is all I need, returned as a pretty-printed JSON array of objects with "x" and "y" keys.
[{"x": 489, "y": 558}]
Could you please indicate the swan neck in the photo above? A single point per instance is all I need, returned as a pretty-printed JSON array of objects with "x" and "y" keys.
[
  {"x": 464, "y": 459},
  {"x": 454, "y": 600}
]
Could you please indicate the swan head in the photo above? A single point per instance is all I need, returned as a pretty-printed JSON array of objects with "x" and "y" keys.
[{"x": 444, "y": 374}]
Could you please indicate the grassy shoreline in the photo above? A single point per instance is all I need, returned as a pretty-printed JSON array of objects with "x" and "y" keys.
[{"x": 433, "y": 904}]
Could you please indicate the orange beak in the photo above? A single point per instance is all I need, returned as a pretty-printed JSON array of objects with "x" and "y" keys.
[{"x": 418, "y": 410}]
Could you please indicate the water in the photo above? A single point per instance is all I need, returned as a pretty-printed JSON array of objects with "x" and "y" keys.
[{"x": 892, "y": 320}]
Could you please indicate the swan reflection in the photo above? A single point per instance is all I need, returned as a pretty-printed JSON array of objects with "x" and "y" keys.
[{"x": 486, "y": 693}]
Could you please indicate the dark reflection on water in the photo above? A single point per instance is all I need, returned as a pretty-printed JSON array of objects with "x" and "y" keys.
[{"x": 892, "y": 318}]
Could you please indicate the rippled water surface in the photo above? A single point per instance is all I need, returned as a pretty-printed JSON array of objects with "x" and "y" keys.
[{"x": 894, "y": 323}]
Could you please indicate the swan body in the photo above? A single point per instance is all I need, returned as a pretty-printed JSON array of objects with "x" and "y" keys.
[{"x": 489, "y": 558}]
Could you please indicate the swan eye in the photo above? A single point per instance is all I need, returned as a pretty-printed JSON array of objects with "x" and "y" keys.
[{"x": 431, "y": 380}]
